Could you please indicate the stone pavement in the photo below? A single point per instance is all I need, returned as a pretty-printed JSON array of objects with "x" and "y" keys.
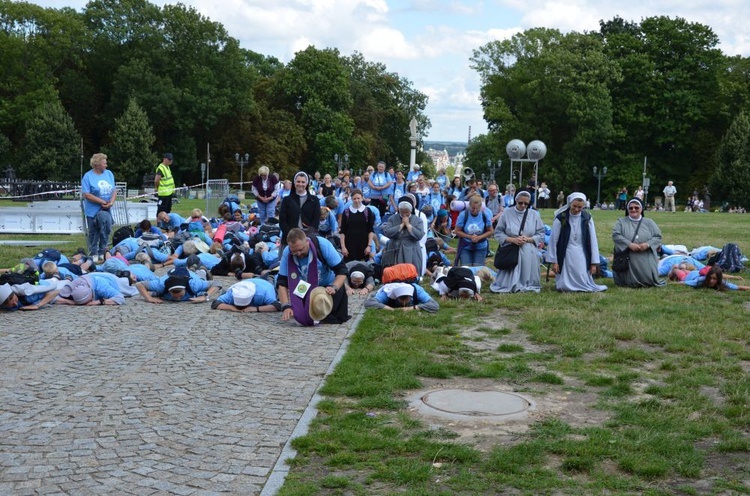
[{"x": 155, "y": 399}]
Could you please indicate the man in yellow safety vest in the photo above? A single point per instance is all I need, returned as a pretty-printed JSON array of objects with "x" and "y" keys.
[{"x": 164, "y": 184}]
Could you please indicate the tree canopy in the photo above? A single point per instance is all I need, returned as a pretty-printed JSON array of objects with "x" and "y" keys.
[
  {"x": 137, "y": 79},
  {"x": 658, "y": 89}
]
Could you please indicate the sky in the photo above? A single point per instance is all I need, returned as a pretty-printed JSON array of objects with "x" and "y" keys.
[{"x": 430, "y": 42}]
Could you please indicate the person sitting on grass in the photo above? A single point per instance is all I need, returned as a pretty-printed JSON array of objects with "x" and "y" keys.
[
  {"x": 402, "y": 296},
  {"x": 251, "y": 295}
]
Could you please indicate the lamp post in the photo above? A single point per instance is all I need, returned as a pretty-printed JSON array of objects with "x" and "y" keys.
[
  {"x": 516, "y": 149},
  {"x": 598, "y": 173},
  {"x": 492, "y": 168},
  {"x": 342, "y": 162},
  {"x": 242, "y": 160}
]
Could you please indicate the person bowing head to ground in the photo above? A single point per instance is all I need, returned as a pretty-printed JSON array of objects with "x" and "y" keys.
[
  {"x": 250, "y": 295},
  {"x": 402, "y": 296}
]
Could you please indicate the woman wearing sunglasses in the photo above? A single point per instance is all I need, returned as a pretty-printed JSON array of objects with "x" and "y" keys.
[
  {"x": 525, "y": 276},
  {"x": 641, "y": 237}
]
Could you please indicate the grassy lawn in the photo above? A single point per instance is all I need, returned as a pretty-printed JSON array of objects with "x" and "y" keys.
[{"x": 636, "y": 391}]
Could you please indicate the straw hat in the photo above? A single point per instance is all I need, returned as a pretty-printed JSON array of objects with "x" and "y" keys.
[{"x": 321, "y": 304}]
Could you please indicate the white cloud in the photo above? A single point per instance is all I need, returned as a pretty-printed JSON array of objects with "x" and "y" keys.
[{"x": 385, "y": 43}]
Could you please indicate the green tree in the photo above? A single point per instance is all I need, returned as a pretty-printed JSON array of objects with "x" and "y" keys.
[
  {"x": 731, "y": 179},
  {"x": 129, "y": 152},
  {"x": 671, "y": 104},
  {"x": 315, "y": 88},
  {"x": 544, "y": 85},
  {"x": 37, "y": 46},
  {"x": 51, "y": 146},
  {"x": 384, "y": 104}
]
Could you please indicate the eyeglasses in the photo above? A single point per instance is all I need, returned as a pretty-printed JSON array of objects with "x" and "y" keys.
[
  {"x": 634, "y": 209},
  {"x": 522, "y": 203}
]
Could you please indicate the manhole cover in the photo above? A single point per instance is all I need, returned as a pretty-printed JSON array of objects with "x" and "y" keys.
[{"x": 475, "y": 403}]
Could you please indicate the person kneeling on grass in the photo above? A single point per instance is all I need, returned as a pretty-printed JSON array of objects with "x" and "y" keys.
[
  {"x": 402, "y": 296},
  {"x": 250, "y": 295}
]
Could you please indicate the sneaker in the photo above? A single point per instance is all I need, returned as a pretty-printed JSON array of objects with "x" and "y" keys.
[
  {"x": 95, "y": 258},
  {"x": 202, "y": 274}
]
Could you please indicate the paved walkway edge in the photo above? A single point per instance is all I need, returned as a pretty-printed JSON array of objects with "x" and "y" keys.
[{"x": 281, "y": 469}]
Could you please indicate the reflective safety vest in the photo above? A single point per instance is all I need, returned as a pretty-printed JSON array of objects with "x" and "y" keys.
[{"x": 166, "y": 183}]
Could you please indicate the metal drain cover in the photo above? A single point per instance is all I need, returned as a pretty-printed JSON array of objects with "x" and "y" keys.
[{"x": 475, "y": 403}]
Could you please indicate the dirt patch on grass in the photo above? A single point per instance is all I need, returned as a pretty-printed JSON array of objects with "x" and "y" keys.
[{"x": 573, "y": 408}]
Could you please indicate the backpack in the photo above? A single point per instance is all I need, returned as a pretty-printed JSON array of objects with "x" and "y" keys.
[
  {"x": 460, "y": 277},
  {"x": 179, "y": 238},
  {"x": 27, "y": 276},
  {"x": 266, "y": 232},
  {"x": 403, "y": 272},
  {"x": 51, "y": 254},
  {"x": 729, "y": 259},
  {"x": 150, "y": 239},
  {"x": 122, "y": 233}
]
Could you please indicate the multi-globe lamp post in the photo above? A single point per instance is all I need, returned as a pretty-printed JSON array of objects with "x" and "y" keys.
[
  {"x": 534, "y": 152},
  {"x": 342, "y": 161}
]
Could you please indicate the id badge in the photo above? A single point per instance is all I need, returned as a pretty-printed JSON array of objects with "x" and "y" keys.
[{"x": 301, "y": 289}]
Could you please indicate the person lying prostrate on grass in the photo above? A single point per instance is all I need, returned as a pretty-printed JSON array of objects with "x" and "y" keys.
[
  {"x": 145, "y": 227},
  {"x": 710, "y": 277},
  {"x": 682, "y": 262},
  {"x": 402, "y": 296},
  {"x": 457, "y": 282}
]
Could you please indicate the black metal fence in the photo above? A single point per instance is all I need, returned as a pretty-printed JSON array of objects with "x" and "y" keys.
[{"x": 23, "y": 190}]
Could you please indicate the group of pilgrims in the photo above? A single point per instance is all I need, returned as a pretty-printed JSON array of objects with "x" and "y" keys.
[{"x": 306, "y": 245}]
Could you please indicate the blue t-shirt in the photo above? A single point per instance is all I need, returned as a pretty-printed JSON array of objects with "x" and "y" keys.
[
  {"x": 379, "y": 179},
  {"x": 100, "y": 185},
  {"x": 325, "y": 274},
  {"x": 475, "y": 224},
  {"x": 197, "y": 285},
  {"x": 265, "y": 294},
  {"x": 420, "y": 296}
]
